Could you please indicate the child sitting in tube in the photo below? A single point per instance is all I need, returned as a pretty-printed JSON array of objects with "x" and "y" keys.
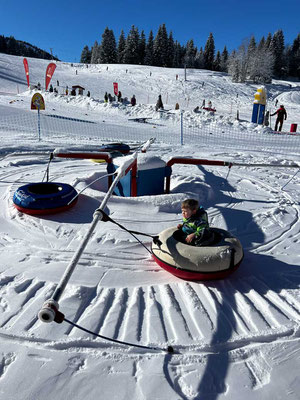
[{"x": 195, "y": 228}]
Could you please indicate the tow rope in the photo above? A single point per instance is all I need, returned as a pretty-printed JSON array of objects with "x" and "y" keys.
[
  {"x": 169, "y": 349},
  {"x": 155, "y": 238}
]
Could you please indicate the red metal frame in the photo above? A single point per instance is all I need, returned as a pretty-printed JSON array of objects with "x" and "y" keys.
[
  {"x": 97, "y": 156},
  {"x": 192, "y": 161}
]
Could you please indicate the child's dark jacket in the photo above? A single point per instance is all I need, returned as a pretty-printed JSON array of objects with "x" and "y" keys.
[{"x": 197, "y": 223}]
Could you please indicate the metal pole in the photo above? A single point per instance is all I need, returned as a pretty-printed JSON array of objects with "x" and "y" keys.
[
  {"x": 50, "y": 307},
  {"x": 181, "y": 128},
  {"x": 39, "y": 123}
]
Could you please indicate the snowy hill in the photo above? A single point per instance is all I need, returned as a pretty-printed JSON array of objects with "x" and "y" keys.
[{"x": 233, "y": 338}]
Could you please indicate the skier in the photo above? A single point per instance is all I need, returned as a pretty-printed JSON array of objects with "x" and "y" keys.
[
  {"x": 119, "y": 97},
  {"x": 281, "y": 114},
  {"x": 105, "y": 97}
]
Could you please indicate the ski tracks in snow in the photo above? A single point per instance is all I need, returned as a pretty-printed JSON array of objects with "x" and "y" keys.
[{"x": 124, "y": 295}]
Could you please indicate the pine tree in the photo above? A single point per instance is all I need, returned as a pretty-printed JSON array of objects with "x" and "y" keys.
[
  {"x": 108, "y": 48},
  {"x": 177, "y": 57},
  {"x": 277, "y": 48},
  {"x": 131, "y": 52},
  {"x": 85, "y": 55},
  {"x": 170, "y": 58},
  {"x": 121, "y": 48},
  {"x": 294, "y": 62},
  {"x": 12, "y": 46},
  {"x": 149, "y": 50},
  {"x": 224, "y": 60},
  {"x": 142, "y": 48},
  {"x": 251, "y": 47},
  {"x": 95, "y": 53},
  {"x": 268, "y": 41},
  {"x": 261, "y": 44},
  {"x": 199, "y": 59},
  {"x": 3, "y": 46},
  {"x": 160, "y": 47},
  {"x": 209, "y": 52},
  {"x": 217, "y": 62},
  {"x": 190, "y": 54}
]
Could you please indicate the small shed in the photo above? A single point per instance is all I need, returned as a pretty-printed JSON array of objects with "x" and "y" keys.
[{"x": 80, "y": 89}]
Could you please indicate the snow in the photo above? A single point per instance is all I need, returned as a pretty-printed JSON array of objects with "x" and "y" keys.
[{"x": 234, "y": 338}]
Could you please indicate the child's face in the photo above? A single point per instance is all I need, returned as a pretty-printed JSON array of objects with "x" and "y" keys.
[{"x": 187, "y": 212}]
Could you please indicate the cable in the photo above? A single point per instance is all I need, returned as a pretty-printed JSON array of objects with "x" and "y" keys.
[
  {"x": 155, "y": 238},
  {"x": 169, "y": 349},
  {"x": 47, "y": 169},
  {"x": 290, "y": 179},
  {"x": 98, "y": 179}
]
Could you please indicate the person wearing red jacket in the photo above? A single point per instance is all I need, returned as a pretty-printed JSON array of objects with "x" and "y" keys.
[{"x": 281, "y": 114}]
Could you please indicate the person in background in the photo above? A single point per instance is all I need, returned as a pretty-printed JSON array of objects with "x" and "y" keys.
[
  {"x": 119, "y": 97},
  {"x": 105, "y": 97},
  {"x": 133, "y": 100},
  {"x": 281, "y": 114},
  {"x": 159, "y": 104}
]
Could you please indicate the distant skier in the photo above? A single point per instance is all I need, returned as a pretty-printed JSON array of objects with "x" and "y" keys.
[
  {"x": 119, "y": 97},
  {"x": 105, "y": 97},
  {"x": 281, "y": 114},
  {"x": 159, "y": 103}
]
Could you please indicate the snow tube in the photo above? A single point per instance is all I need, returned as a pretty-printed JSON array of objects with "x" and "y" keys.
[
  {"x": 114, "y": 154},
  {"x": 121, "y": 147},
  {"x": 215, "y": 261},
  {"x": 44, "y": 198}
]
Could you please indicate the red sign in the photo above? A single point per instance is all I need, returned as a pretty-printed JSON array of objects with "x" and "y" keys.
[
  {"x": 25, "y": 62},
  {"x": 49, "y": 73},
  {"x": 116, "y": 90}
]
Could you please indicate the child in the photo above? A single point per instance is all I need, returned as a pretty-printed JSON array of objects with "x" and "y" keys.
[{"x": 195, "y": 227}]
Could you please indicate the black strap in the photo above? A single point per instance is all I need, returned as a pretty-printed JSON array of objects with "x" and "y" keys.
[
  {"x": 106, "y": 218},
  {"x": 169, "y": 349},
  {"x": 48, "y": 166}
]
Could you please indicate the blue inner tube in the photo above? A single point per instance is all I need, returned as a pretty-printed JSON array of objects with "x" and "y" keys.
[
  {"x": 121, "y": 147},
  {"x": 44, "y": 196}
]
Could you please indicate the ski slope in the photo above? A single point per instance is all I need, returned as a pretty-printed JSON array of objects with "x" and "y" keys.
[{"x": 233, "y": 338}]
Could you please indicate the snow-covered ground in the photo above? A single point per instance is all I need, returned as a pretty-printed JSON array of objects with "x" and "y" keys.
[{"x": 235, "y": 338}]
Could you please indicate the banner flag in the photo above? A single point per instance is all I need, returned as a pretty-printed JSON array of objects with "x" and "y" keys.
[
  {"x": 116, "y": 90},
  {"x": 49, "y": 73},
  {"x": 25, "y": 62}
]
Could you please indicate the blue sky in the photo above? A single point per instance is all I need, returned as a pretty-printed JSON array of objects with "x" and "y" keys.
[{"x": 67, "y": 26}]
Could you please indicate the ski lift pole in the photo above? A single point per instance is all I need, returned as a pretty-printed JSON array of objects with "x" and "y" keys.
[{"x": 49, "y": 311}]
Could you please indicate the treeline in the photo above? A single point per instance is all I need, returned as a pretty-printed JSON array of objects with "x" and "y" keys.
[
  {"x": 260, "y": 62},
  {"x": 9, "y": 45}
]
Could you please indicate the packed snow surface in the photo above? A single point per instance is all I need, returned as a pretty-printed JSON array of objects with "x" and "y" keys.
[{"x": 234, "y": 338}]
